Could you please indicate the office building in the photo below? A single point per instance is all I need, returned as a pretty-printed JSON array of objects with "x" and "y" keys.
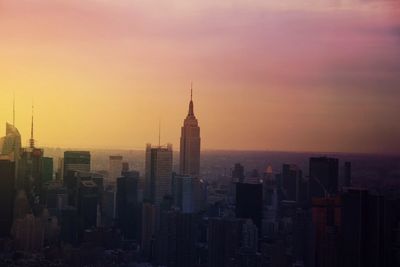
[
  {"x": 326, "y": 217},
  {"x": 324, "y": 175},
  {"x": 190, "y": 145},
  {"x": 224, "y": 241},
  {"x": 366, "y": 230},
  {"x": 114, "y": 169},
  {"x": 7, "y": 196},
  {"x": 127, "y": 203},
  {"x": 47, "y": 169},
  {"x": 76, "y": 161},
  {"x": 291, "y": 177},
  {"x": 238, "y": 173},
  {"x": 249, "y": 203},
  {"x": 183, "y": 189},
  {"x": 87, "y": 203},
  {"x": 158, "y": 173}
]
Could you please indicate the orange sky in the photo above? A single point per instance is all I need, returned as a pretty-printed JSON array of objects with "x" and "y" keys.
[{"x": 310, "y": 76}]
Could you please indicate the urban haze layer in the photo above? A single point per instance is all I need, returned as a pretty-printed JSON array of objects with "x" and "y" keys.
[{"x": 159, "y": 207}]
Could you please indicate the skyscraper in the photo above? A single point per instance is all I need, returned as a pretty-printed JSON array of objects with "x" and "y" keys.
[
  {"x": 291, "y": 175},
  {"x": 7, "y": 195},
  {"x": 326, "y": 217},
  {"x": 10, "y": 145},
  {"x": 127, "y": 202},
  {"x": 158, "y": 173},
  {"x": 115, "y": 169},
  {"x": 324, "y": 176},
  {"x": 224, "y": 240},
  {"x": 238, "y": 173},
  {"x": 366, "y": 233},
  {"x": 249, "y": 202},
  {"x": 190, "y": 144},
  {"x": 76, "y": 161},
  {"x": 47, "y": 169},
  {"x": 87, "y": 203}
]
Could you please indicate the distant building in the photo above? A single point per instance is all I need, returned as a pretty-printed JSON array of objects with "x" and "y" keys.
[
  {"x": 29, "y": 233},
  {"x": 238, "y": 173},
  {"x": 291, "y": 177},
  {"x": 108, "y": 206},
  {"x": 70, "y": 225},
  {"x": 324, "y": 176},
  {"x": 150, "y": 222},
  {"x": 224, "y": 241},
  {"x": 158, "y": 173},
  {"x": 47, "y": 169},
  {"x": 128, "y": 204},
  {"x": 76, "y": 161},
  {"x": 87, "y": 203},
  {"x": 249, "y": 203},
  {"x": 10, "y": 145},
  {"x": 125, "y": 166},
  {"x": 7, "y": 196},
  {"x": 347, "y": 174},
  {"x": 115, "y": 169},
  {"x": 190, "y": 145},
  {"x": 30, "y": 173}
]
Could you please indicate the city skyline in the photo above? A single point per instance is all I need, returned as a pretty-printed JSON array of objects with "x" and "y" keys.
[{"x": 275, "y": 75}]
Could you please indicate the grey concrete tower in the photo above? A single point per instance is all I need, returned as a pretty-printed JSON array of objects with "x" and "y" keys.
[{"x": 190, "y": 143}]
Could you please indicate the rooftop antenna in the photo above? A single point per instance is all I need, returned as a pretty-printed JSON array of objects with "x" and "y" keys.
[
  {"x": 159, "y": 133},
  {"x": 32, "y": 141},
  {"x": 191, "y": 90}
]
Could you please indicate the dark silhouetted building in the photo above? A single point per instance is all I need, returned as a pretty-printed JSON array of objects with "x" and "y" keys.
[
  {"x": 324, "y": 175},
  {"x": 224, "y": 241},
  {"x": 158, "y": 173},
  {"x": 47, "y": 169},
  {"x": 366, "y": 233},
  {"x": 128, "y": 209},
  {"x": 327, "y": 220},
  {"x": 291, "y": 177},
  {"x": 347, "y": 174},
  {"x": 249, "y": 203},
  {"x": 150, "y": 223},
  {"x": 87, "y": 203},
  {"x": 176, "y": 239},
  {"x": 238, "y": 173},
  {"x": 7, "y": 196}
]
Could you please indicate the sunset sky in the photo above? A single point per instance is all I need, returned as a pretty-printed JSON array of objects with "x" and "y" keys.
[{"x": 315, "y": 75}]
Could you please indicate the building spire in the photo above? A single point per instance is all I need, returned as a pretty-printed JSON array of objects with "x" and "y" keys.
[
  {"x": 159, "y": 133},
  {"x": 32, "y": 141},
  {"x": 191, "y": 112}
]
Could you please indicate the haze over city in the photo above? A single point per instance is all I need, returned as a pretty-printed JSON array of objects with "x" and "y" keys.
[{"x": 296, "y": 76}]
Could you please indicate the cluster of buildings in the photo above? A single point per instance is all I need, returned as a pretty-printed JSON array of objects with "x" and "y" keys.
[{"x": 76, "y": 216}]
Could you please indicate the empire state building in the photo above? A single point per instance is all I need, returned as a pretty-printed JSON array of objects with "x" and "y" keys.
[{"x": 190, "y": 144}]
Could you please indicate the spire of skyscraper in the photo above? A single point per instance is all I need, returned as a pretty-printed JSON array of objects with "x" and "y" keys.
[
  {"x": 159, "y": 133},
  {"x": 14, "y": 109},
  {"x": 191, "y": 112},
  {"x": 32, "y": 141}
]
